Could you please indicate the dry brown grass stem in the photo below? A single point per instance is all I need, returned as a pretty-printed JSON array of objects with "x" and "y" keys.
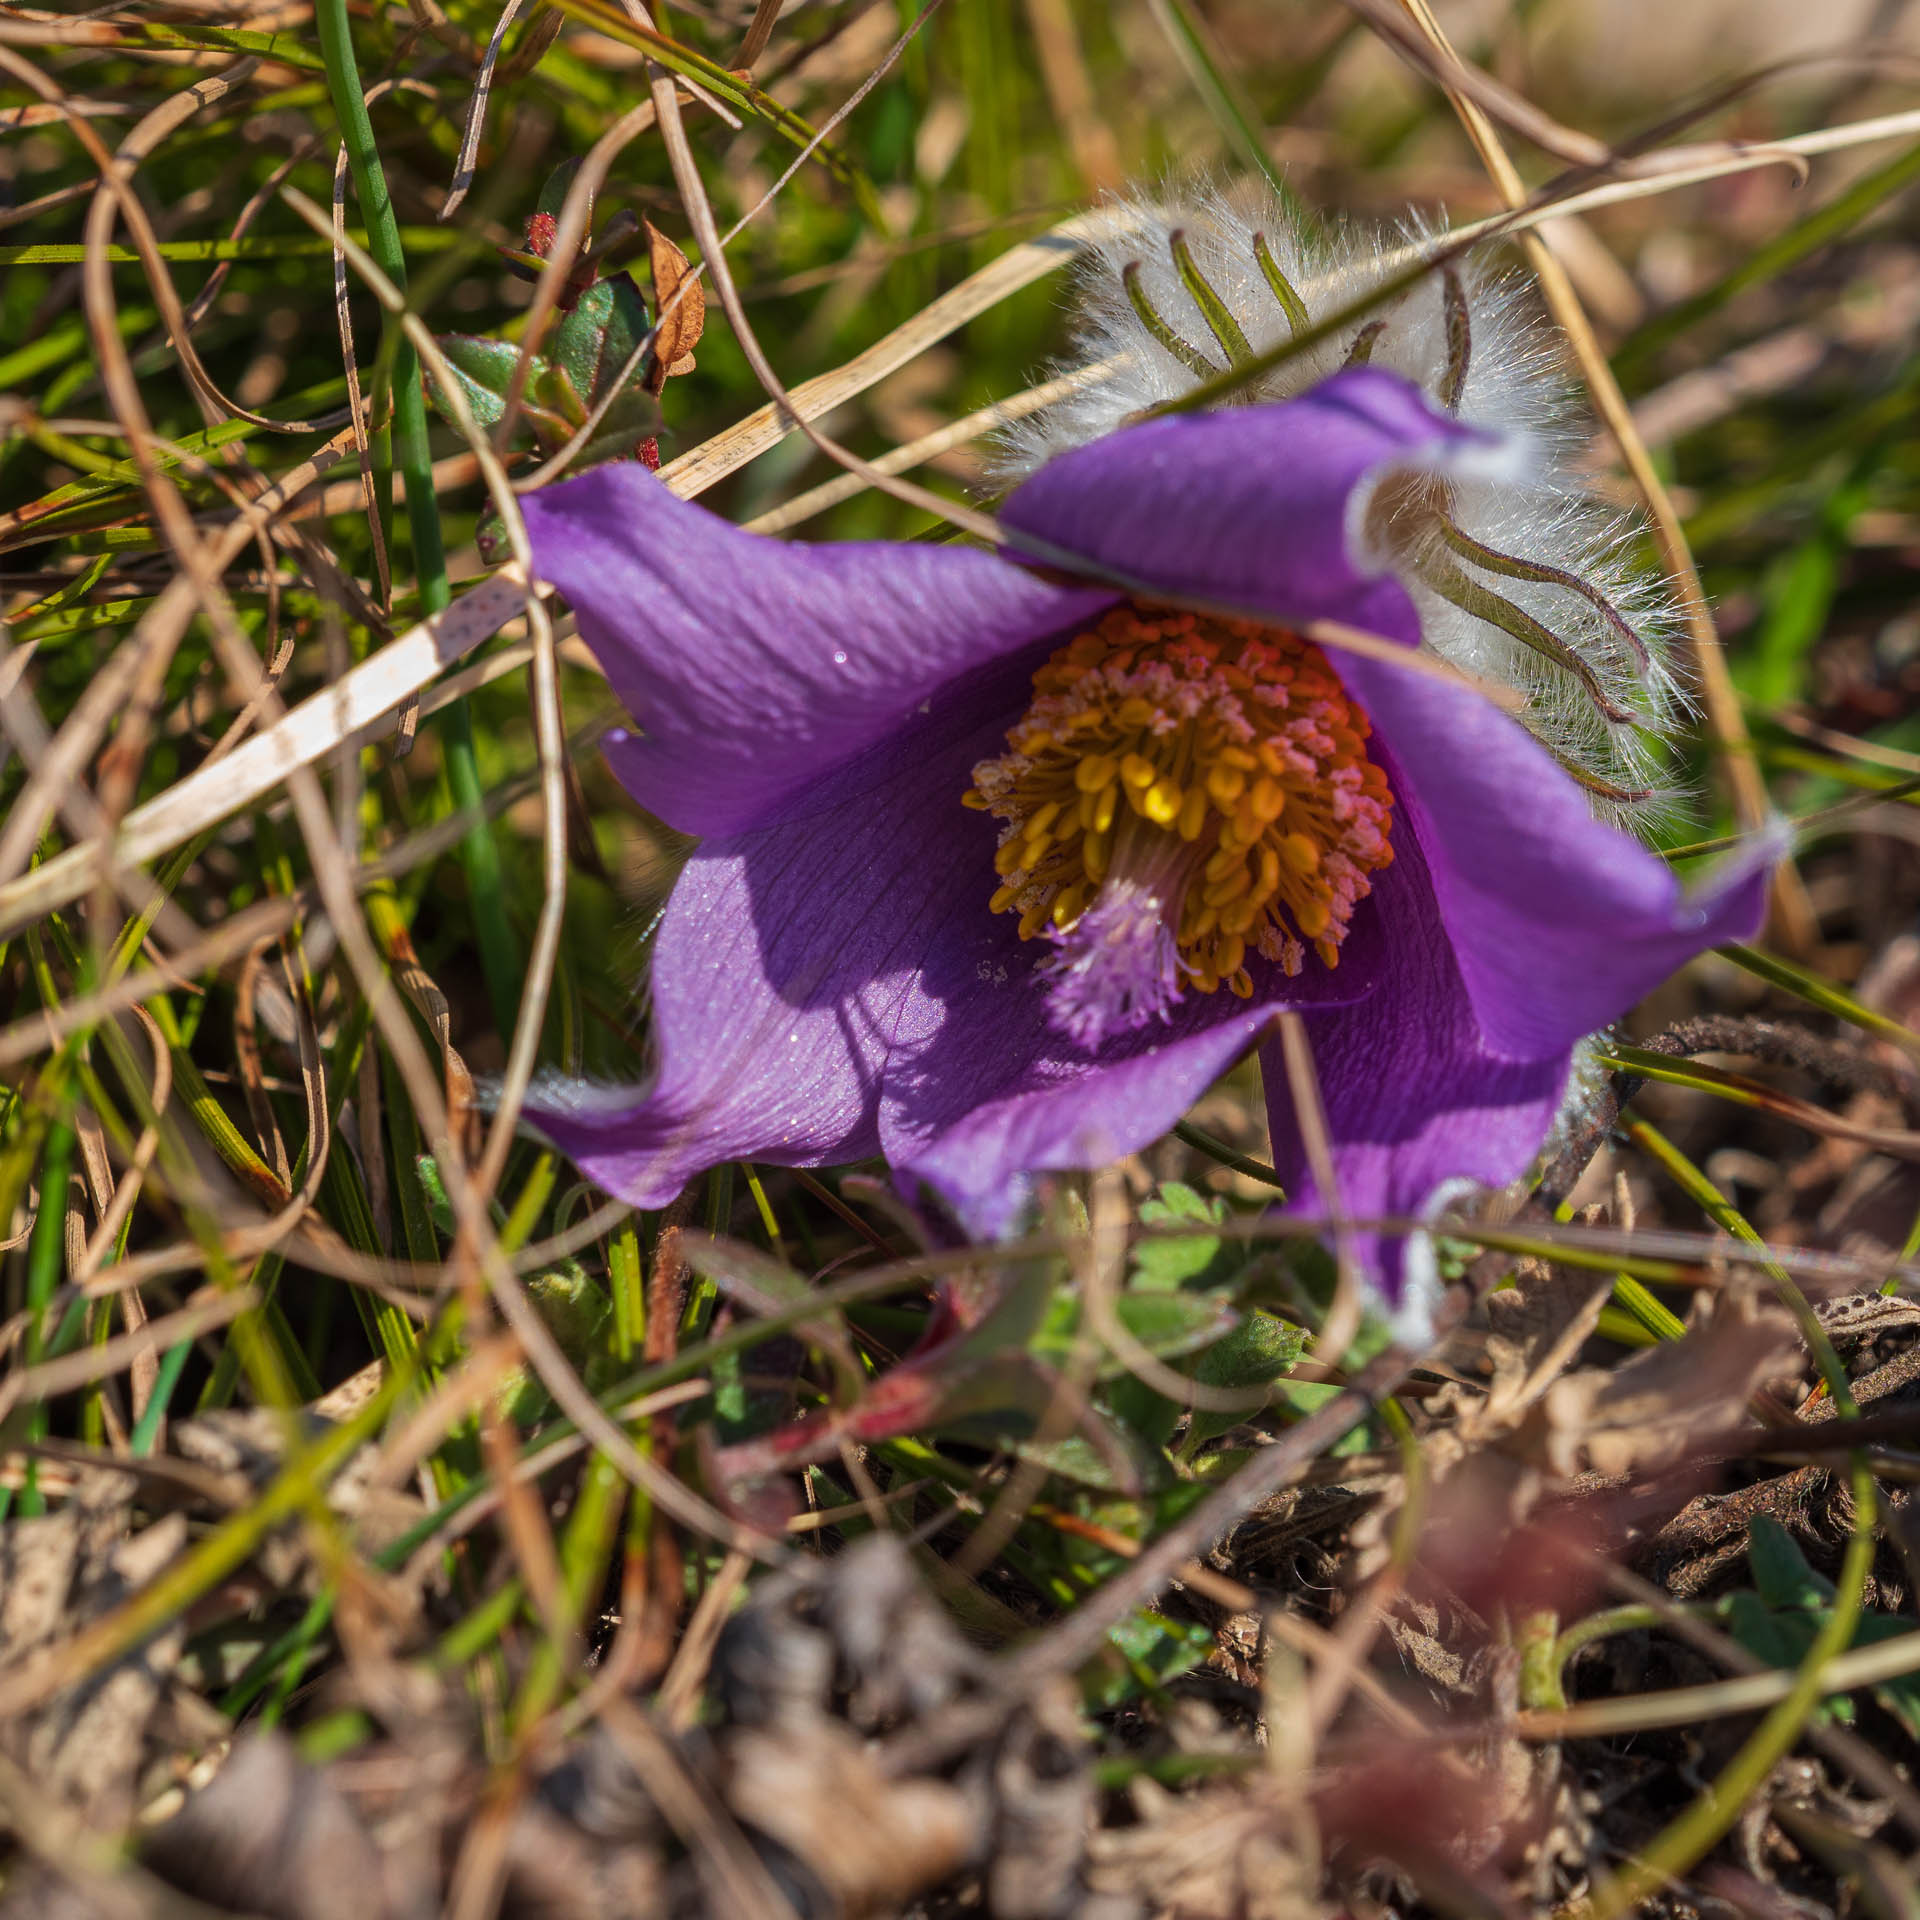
[
  {"x": 678, "y": 1701},
  {"x": 549, "y": 727},
  {"x": 741, "y": 1885},
  {"x": 1070, "y": 91},
  {"x": 1310, "y": 1116},
  {"x": 477, "y": 112},
  {"x": 333, "y": 875},
  {"x": 699, "y": 208},
  {"x": 929, "y": 446},
  {"x": 1796, "y": 923},
  {"x": 1470, "y": 87},
  {"x": 702, "y": 467},
  {"x": 1673, "y": 173},
  {"x": 426, "y": 1558},
  {"x": 1099, "y": 1258},
  {"x": 200, "y": 1316},
  {"x": 753, "y": 44}
]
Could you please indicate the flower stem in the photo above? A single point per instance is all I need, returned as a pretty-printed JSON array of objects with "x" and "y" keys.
[
  {"x": 406, "y": 447},
  {"x": 1227, "y": 1156}
]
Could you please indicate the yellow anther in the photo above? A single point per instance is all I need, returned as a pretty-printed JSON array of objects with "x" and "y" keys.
[
  {"x": 1225, "y": 741},
  {"x": 1300, "y": 854},
  {"x": 1162, "y": 802},
  {"x": 1226, "y": 784}
]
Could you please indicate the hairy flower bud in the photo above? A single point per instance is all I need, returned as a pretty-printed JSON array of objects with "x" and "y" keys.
[{"x": 1521, "y": 577}]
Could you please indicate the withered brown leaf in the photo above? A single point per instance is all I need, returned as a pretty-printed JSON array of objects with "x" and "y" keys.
[
  {"x": 680, "y": 304},
  {"x": 1670, "y": 1401}
]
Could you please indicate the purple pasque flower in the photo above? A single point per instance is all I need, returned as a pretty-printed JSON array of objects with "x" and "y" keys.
[{"x": 1001, "y": 868}]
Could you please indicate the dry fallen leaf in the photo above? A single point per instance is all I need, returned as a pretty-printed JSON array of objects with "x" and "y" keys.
[
  {"x": 872, "y": 1842},
  {"x": 1668, "y": 1402},
  {"x": 680, "y": 306},
  {"x": 271, "y": 1835},
  {"x": 57, "y": 1573},
  {"x": 1242, "y": 1852}
]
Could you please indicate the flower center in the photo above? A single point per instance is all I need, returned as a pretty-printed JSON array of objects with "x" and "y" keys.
[{"x": 1183, "y": 792}]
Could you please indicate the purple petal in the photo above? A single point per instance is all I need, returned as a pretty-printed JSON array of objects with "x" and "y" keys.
[
  {"x": 834, "y": 986},
  {"x": 1256, "y": 508},
  {"x": 745, "y": 1072},
  {"x": 785, "y": 957},
  {"x": 1413, "y": 1096},
  {"x": 981, "y": 1089},
  {"x": 1558, "y": 923},
  {"x": 753, "y": 667},
  {"x": 780, "y": 967}
]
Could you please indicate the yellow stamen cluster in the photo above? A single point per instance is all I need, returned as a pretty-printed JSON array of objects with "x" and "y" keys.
[{"x": 1218, "y": 765}]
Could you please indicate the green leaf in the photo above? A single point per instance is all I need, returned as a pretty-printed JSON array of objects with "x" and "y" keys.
[
  {"x": 484, "y": 370},
  {"x": 594, "y": 342},
  {"x": 1302, "y": 1397},
  {"x": 1255, "y": 1354},
  {"x": 575, "y": 1308},
  {"x": 626, "y": 423},
  {"x": 1166, "y": 1324},
  {"x": 577, "y": 1313},
  {"x": 1778, "y": 1623},
  {"x": 1142, "y": 1654},
  {"x": 1787, "y": 1582},
  {"x": 1164, "y": 1264},
  {"x": 1900, "y": 1696},
  {"x": 435, "y": 1189},
  {"x": 553, "y": 191},
  {"x": 1117, "y": 1463},
  {"x": 1764, "y": 1633}
]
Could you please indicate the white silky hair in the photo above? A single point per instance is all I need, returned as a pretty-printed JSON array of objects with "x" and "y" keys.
[{"x": 1535, "y": 512}]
